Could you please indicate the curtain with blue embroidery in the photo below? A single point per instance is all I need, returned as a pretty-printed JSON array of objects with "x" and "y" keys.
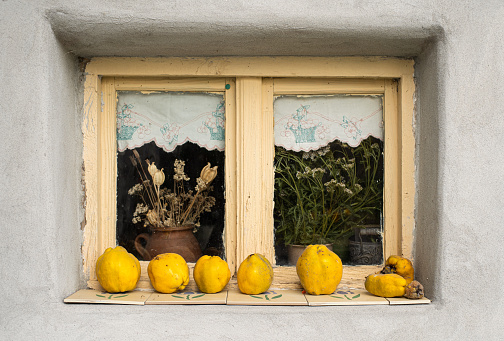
[
  {"x": 305, "y": 123},
  {"x": 302, "y": 123},
  {"x": 170, "y": 119}
]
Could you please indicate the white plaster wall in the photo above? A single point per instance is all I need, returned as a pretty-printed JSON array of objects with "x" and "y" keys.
[{"x": 459, "y": 50}]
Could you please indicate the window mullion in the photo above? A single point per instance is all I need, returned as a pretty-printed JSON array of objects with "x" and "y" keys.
[{"x": 254, "y": 235}]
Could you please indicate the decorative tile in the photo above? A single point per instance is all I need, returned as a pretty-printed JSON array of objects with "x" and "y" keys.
[
  {"x": 404, "y": 300},
  {"x": 271, "y": 297},
  {"x": 97, "y": 296},
  {"x": 346, "y": 297},
  {"x": 235, "y": 297},
  {"x": 188, "y": 297}
]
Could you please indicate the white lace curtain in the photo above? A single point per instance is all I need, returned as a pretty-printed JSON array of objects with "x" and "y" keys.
[
  {"x": 302, "y": 123},
  {"x": 170, "y": 119}
]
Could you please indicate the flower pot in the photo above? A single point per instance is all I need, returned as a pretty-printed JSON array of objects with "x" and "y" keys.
[
  {"x": 295, "y": 251},
  {"x": 178, "y": 239}
]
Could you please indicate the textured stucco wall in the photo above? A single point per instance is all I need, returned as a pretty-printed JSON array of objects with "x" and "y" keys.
[{"x": 459, "y": 49}]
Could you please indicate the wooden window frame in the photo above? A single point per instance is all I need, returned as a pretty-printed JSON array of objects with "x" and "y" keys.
[{"x": 249, "y": 85}]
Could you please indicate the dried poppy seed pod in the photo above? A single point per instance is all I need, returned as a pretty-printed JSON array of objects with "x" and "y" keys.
[
  {"x": 152, "y": 169},
  {"x": 159, "y": 177},
  {"x": 208, "y": 174},
  {"x": 152, "y": 217}
]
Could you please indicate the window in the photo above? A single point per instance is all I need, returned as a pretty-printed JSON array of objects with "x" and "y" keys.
[
  {"x": 182, "y": 128},
  {"x": 328, "y": 173},
  {"x": 249, "y": 87}
]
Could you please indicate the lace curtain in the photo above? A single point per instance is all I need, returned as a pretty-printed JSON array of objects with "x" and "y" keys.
[
  {"x": 170, "y": 119},
  {"x": 302, "y": 123}
]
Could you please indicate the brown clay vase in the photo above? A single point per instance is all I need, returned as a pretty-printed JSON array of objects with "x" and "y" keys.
[{"x": 178, "y": 239}]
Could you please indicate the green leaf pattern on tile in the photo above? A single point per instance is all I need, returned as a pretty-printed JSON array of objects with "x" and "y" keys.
[
  {"x": 189, "y": 295},
  {"x": 348, "y": 295},
  {"x": 268, "y": 296},
  {"x": 111, "y": 296}
]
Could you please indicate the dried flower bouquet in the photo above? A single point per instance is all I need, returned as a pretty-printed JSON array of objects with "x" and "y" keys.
[{"x": 163, "y": 207}]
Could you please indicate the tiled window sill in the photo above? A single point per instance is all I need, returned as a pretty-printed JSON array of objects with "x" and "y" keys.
[{"x": 234, "y": 297}]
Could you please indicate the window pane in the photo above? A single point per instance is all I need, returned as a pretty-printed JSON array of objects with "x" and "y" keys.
[
  {"x": 163, "y": 128},
  {"x": 329, "y": 176}
]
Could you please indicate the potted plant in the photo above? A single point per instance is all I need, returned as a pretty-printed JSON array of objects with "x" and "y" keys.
[
  {"x": 170, "y": 214},
  {"x": 322, "y": 195}
]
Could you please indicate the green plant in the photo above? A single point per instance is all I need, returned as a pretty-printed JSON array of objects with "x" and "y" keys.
[{"x": 322, "y": 195}]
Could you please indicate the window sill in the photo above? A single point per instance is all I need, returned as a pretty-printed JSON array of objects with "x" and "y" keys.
[{"x": 280, "y": 297}]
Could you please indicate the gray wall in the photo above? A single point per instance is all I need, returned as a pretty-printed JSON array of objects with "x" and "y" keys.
[{"x": 459, "y": 50}]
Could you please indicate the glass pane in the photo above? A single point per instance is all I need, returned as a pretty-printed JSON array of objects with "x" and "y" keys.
[
  {"x": 163, "y": 128},
  {"x": 329, "y": 176}
]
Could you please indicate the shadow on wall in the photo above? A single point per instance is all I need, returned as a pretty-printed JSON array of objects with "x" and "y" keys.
[{"x": 429, "y": 109}]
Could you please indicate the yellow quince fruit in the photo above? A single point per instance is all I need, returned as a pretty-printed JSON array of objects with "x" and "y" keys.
[
  {"x": 211, "y": 274},
  {"x": 117, "y": 270},
  {"x": 255, "y": 274},
  {"x": 393, "y": 285},
  {"x": 319, "y": 270},
  {"x": 400, "y": 266},
  {"x": 168, "y": 272}
]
